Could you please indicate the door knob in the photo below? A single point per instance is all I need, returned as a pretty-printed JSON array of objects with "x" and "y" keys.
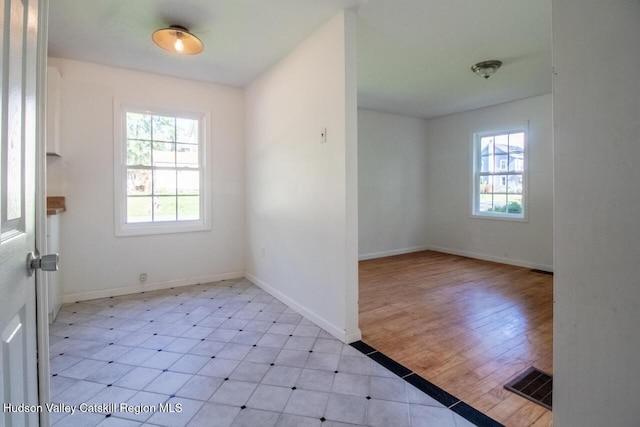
[{"x": 45, "y": 263}]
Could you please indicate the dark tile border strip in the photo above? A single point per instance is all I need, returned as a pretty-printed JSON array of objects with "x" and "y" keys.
[
  {"x": 432, "y": 390},
  {"x": 363, "y": 348},
  {"x": 474, "y": 416},
  {"x": 390, "y": 364},
  {"x": 456, "y": 405},
  {"x": 535, "y": 270}
]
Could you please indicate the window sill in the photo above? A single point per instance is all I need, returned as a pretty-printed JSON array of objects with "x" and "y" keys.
[
  {"x": 150, "y": 229},
  {"x": 499, "y": 217}
]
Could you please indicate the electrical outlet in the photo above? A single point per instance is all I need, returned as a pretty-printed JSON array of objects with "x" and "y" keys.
[
  {"x": 143, "y": 277},
  {"x": 323, "y": 135}
]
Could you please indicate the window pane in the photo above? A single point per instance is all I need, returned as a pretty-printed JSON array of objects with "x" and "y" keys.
[
  {"x": 515, "y": 204},
  {"x": 486, "y": 164},
  {"x": 138, "y": 152},
  {"x": 138, "y": 126},
  {"x": 516, "y": 152},
  {"x": 187, "y": 130},
  {"x": 485, "y": 185},
  {"x": 502, "y": 141},
  {"x": 516, "y": 140},
  {"x": 189, "y": 182},
  {"x": 502, "y": 164},
  {"x": 187, "y": 155},
  {"x": 164, "y": 128},
  {"x": 138, "y": 182},
  {"x": 515, "y": 184},
  {"x": 188, "y": 207},
  {"x": 485, "y": 199},
  {"x": 164, "y": 154},
  {"x": 486, "y": 145},
  {"x": 164, "y": 182},
  {"x": 500, "y": 183},
  {"x": 164, "y": 208},
  {"x": 138, "y": 209},
  {"x": 486, "y": 154},
  {"x": 516, "y": 162},
  {"x": 499, "y": 203}
]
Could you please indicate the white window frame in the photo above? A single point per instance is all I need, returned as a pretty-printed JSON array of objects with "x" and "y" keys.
[
  {"x": 476, "y": 168},
  {"x": 122, "y": 227}
]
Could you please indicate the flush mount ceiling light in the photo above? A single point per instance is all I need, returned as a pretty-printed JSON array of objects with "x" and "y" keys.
[
  {"x": 486, "y": 68},
  {"x": 177, "y": 39}
]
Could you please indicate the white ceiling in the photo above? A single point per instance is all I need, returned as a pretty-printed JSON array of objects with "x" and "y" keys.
[{"x": 414, "y": 56}]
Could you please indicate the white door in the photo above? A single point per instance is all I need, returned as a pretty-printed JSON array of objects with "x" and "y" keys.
[{"x": 18, "y": 357}]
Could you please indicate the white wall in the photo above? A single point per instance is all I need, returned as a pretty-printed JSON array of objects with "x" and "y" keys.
[
  {"x": 449, "y": 225},
  {"x": 301, "y": 195},
  {"x": 392, "y": 184},
  {"x": 95, "y": 262},
  {"x": 597, "y": 212}
]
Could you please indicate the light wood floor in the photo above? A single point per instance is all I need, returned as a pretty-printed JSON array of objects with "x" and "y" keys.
[{"x": 466, "y": 325}]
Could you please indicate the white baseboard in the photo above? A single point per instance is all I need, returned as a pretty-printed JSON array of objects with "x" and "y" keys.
[
  {"x": 133, "y": 289},
  {"x": 373, "y": 255},
  {"x": 344, "y": 336},
  {"x": 53, "y": 313},
  {"x": 476, "y": 255}
]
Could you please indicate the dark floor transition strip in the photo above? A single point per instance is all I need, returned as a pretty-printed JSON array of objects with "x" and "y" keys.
[
  {"x": 456, "y": 405},
  {"x": 535, "y": 385},
  {"x": 535, "y": 270}
]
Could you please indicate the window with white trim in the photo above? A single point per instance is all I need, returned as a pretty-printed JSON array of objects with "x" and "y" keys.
[
  {"x": 499, "y": 174},
  {"x": 160, "y": 181}
]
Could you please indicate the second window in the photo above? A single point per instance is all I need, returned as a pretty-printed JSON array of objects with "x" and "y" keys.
[{"x": 499, "y": 174}]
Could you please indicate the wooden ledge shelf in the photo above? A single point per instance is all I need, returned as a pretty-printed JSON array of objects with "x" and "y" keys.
[{"x": 56, "y": 205}]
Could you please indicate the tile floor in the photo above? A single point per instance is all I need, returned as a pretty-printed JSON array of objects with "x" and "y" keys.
[{"x": 220, "y": 354}]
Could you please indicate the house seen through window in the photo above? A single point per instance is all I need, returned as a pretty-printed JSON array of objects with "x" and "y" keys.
[{"x": 499, "y": 175}]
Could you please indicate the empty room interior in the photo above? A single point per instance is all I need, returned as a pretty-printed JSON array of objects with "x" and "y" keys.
[
  {"x": 455, "y": 281},
  {"x": 328, "y": 213},
  {"x": 442, "y": 292},
  {"x": 413, "y": 185},
  {"x": 466, "y": 301}
]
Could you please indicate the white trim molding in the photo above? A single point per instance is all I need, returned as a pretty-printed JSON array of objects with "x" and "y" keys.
[
  {"x": 501, "y": 260},
  {"x": 393, "y": 252},
  {"x": 134, "y": 289},
  {"x": 341, "y": 334}
]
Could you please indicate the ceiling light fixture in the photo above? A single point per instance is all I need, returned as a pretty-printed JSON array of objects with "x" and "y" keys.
[
  {"x": 486, "y": 68},
  {"x": 177, "y": 39}
]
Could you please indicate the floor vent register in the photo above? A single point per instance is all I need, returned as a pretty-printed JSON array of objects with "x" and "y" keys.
[{"x": 533, "y": 384}]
